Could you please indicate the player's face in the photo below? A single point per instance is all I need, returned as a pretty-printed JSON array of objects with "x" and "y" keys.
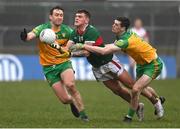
[
  {"x": 117, "y": 28},
  {"x": 138, "y": 24},
  {"x": 80, "y": 19},
  {"x": 57, "y": 17}
]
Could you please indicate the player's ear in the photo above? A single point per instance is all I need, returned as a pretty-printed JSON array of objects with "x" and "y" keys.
[
  {"x": 87, "y": 20},
  {"x": 50, "y": 17},
  {"x": 123, "y": 29}
]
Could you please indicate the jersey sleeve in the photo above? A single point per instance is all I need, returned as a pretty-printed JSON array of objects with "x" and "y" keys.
[
  {"x": 37, "y": 30},
  {"x": 69, "y": 31},
  {"x": 72, "y": 35},
  {"x": 121, "y": 43}
]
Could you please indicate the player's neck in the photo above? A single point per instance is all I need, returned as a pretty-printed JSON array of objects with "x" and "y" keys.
[
  {"x": 56, "y": 28},
  {"x": 120, "y": 34},
  {"x": 81, "y": 29}
]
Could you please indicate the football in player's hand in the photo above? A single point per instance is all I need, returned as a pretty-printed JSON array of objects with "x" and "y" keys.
[{"x": 48, "y": 36}]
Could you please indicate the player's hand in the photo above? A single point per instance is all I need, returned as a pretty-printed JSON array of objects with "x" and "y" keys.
[
  {"x": 23, "y": 35},
  {"x": 58, "y": 47},
  {"x": 66, "y": 54},
  {"x": 77, "y": 46},
  {"x": 55, "y": 45}
]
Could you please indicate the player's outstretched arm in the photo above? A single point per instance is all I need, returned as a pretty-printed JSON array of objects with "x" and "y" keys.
[
  {"x": 27, "y": 36},
  {"x": 108, "y": 49}
]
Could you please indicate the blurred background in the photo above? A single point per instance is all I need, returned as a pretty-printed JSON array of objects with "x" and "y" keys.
[{"x": 161, "y": 19}]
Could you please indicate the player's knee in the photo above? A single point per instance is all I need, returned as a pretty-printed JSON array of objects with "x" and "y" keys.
[
  {"x": 70, "y": 86},
  {"x": 131, "y": 83},
  {"x": 66, "y": 100},
  {"x": 135, "y": 90}
]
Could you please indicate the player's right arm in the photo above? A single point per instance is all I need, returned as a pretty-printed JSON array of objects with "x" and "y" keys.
[
  {"x": 31, "y": 35},
  {"x": 27, "y": 36},
  {"x": 68, "y": 53},
  {"x": 71, "y": 43},
  {"x": 108, "y": 49},
  {"x": 79, "y": 53}
]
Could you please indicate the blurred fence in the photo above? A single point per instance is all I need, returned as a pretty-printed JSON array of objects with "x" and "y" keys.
[{"x": 161, "y": 19}]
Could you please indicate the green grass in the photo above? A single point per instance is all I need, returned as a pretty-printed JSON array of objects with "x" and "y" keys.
[{"x": 33, "y": 104}]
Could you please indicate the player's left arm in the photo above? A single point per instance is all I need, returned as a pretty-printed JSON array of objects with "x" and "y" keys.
[
  {"x": 80, "y": 53},
  {"x": 109, "y": 48}
]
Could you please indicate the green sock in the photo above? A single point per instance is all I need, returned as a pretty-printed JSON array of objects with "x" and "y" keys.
[
  {"x": 82, "y": 113},
  {"x": 131, "y": 113}
]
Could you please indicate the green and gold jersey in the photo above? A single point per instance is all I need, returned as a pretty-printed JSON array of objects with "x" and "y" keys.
[
  {"x": 47, "y": 54},
  {"x": 141, "y": 51},
  {"x": 91, "y": 35}
]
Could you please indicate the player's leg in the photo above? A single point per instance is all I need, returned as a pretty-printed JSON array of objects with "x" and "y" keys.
[
  {"x": 140, "y": 84},
  {"x": 69, "y": 81},
  {"x": 117, "y": 89},
  {"x": 153, "y": 70},
  {"x": 53, "y": 78},
  {"x": 147, "y": 92},
  {"x": 124, "y": 77},
  {"x": 124, "y": 93},
  {"x": 61, "y": 93},
  {"x": 154, "y": 93},
  {"x": 145, "y": 73},
  {"x": 111, "y": 82},
  {"x": 132, "y": 65}
]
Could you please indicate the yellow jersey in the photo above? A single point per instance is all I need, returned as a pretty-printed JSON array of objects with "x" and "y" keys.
[
  {"x": 48, "y": 54},
  {"x": 141, "y": 51}
]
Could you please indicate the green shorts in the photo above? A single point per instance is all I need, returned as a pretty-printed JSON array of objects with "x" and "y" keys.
[
  {"x": 152, "y": 69},
  {"x": 53, "y": 72}
]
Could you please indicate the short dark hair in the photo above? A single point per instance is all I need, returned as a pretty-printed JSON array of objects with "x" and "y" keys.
[
  {"x": 87, "y": 13},
  {"x": 125, "y": 22},
  {"x": 56, "y": 7}
]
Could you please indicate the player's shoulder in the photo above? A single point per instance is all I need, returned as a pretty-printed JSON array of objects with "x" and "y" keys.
[
  {"x": 92, "y": 29},
  {"x": 126, "y": 35},
  {"x": 44, "y": 25},
  {"x": 40, "y": 27}
]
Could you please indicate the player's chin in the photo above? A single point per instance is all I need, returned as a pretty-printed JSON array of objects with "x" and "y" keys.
[
  {"x": 58, "y": 23},
  {"x": 113, "y": 30},
  {"x": 76, "y": 23}
]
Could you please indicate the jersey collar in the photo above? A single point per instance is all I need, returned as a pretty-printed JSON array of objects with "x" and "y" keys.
[
  {"x": 124, "y": 35},
  {"x": 82, "y": 31}
]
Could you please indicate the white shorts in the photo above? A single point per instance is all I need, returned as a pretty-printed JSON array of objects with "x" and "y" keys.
[{"x": 108, "y": 71}]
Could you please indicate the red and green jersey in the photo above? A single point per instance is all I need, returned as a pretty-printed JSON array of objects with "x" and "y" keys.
[
  {"x": 141, "y": 51},
  {"x": 47, "y": 54},
  {"x": 91, "y": 35}
]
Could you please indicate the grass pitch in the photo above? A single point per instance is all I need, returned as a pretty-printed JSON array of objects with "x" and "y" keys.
[{"x": 33, "y": 104}]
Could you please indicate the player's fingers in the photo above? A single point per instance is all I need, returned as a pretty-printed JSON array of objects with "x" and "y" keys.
[{"x": 25, "y": 31}]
